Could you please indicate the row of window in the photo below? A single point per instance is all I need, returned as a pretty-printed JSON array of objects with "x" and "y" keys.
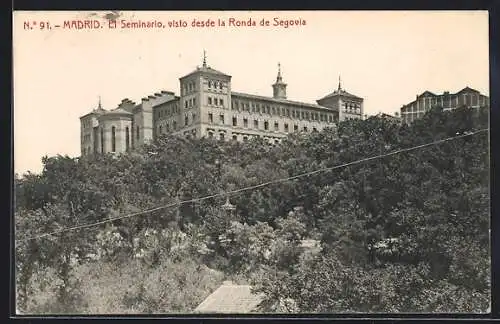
[
  {"x": 215, "y": 101},
  {"x": 166, "y": 127},
  {"x": 86, "y": 124},
  {"x": 168, "y": 111},
  {"x": 215, "y": 85},
  {"x": 222, "y": 137},
  {"x": 281, "y": 111},
  {"x": 188, "y": 87},
  {"x": 351, "y": 105},
  {"x": 286, "y": 127},
  {"x": 189, "y": 103},
  {"x": 352, "y": 110},
  {"x": 113, "y": 139}
]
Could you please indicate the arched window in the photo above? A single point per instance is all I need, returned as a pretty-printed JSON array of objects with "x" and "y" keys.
[
  {"x": 137, "y": 131},
  {"x": 159, "y": 130},
  {"x": 113, "y": 139},
  {"x": 209, "y": 84},
  {"x": 186, "y": 120},
  {"x": 127, "y": 139},
  {"x": 102, "y": 140}
]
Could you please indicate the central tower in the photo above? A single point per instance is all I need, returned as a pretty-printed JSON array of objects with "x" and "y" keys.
[
  {"x": 205, "y": 99},
  {"x": 279, "y": 87}
]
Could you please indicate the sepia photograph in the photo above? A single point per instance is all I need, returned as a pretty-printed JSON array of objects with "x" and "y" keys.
[{"x": 251, "y": 162}]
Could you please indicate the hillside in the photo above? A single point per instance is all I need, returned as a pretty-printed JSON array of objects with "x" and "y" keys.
[{"x": 406, "y": 232}]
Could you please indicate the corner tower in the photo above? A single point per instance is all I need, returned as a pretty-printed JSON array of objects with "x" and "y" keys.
[
  {"x": 205, "y": 99},
  {"x": 279, "y": 87}
]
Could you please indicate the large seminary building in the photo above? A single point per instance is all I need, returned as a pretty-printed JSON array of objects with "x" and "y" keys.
[{"x": 208, "y": 107}]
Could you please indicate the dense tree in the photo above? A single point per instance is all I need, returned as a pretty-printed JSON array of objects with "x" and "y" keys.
[{"x": 407, "y": 231}]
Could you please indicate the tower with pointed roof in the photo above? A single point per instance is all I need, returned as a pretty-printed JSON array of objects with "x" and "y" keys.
[
  {"x": 205, "y": 95},
  {"x": 279, "y": 87},
  {"x": 347, "y": 105}
]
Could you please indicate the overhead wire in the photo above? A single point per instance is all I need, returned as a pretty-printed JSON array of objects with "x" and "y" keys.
[{"x": 264, "y": 184}]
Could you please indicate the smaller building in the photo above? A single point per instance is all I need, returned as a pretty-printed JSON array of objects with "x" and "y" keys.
[
  {"x": 467, "y": 97},
  {"x": 230, "y": 298}
]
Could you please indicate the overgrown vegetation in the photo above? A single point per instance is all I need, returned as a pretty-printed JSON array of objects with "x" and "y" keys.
[{"x": 404, "y": 233}]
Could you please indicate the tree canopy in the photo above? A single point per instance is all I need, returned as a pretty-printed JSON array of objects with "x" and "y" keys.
[{"x": 405, "y": 232}]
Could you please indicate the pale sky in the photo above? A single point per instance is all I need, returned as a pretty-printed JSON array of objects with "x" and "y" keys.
[{"x": 385, "y": 57}]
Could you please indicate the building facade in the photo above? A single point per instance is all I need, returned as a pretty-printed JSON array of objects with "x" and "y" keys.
[
  {"x": 208, "y": 107},
  {"x": 466, "y": 97}
]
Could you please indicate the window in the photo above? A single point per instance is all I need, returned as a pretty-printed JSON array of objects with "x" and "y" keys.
[
  {"x": 235, "y": 121},
  {"x": 276, "y": 126},
  {"x": 210, "y": 118},
  {"x": 194, "y": 101},
  {"x": 174, "y": 125},
  {"x": 305, "y": 128},
  {"x": 266, "y": 125},
  {"x": 209, "y": 100},
  {"x": 113, "y": 139},
  {"x": 274, "y": 110},
  {"x": 276, "y": 141},
  {"x": 102, "y": 140},
  {"x": 474, "y": 100},
  {"x": 258, "y": 108},
  {"x": 127, "y": 139},
  {"x": 221, "y": 85},
  {"x": 193, "y": 118},
  {"x": 221, "y": 136},
  {"x": 185, "y": 104},
  {"x": 235, "y": 137},
  {"x": 137, "y": 133},
  {"x": 221, "y": 119},
  {"x": 168, "y": 127},
  {"x": 221, "y": 102},
  {"x": 286, "y": 128},
  {"x": 268, "y": 109},
  {"x": 295, "y": 128},
  {"x": 210, "y": 134},
  {"x": 245, "y": 138},
  {"x": 314, "y": 129},
  {"x": 253, "y": 107},
  {"x": 215, "y": 101},
  {"x": 256, "y": 123},
  {"x": 245, "y": 122},
  {"x": 159, "y": 130},
  {"x": 330, "y": 118},
  {"x": 186, "y": 120},
  {"x": 209, "y": 84}
]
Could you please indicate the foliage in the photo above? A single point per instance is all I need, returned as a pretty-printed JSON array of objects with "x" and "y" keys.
[{"x": 402, "y": 233}]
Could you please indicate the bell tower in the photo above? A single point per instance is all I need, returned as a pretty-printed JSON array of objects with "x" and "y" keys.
[{"x": 279, "y": 87}]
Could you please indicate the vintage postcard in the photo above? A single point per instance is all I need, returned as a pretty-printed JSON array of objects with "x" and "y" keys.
[{"x": 229, "y": 162}]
